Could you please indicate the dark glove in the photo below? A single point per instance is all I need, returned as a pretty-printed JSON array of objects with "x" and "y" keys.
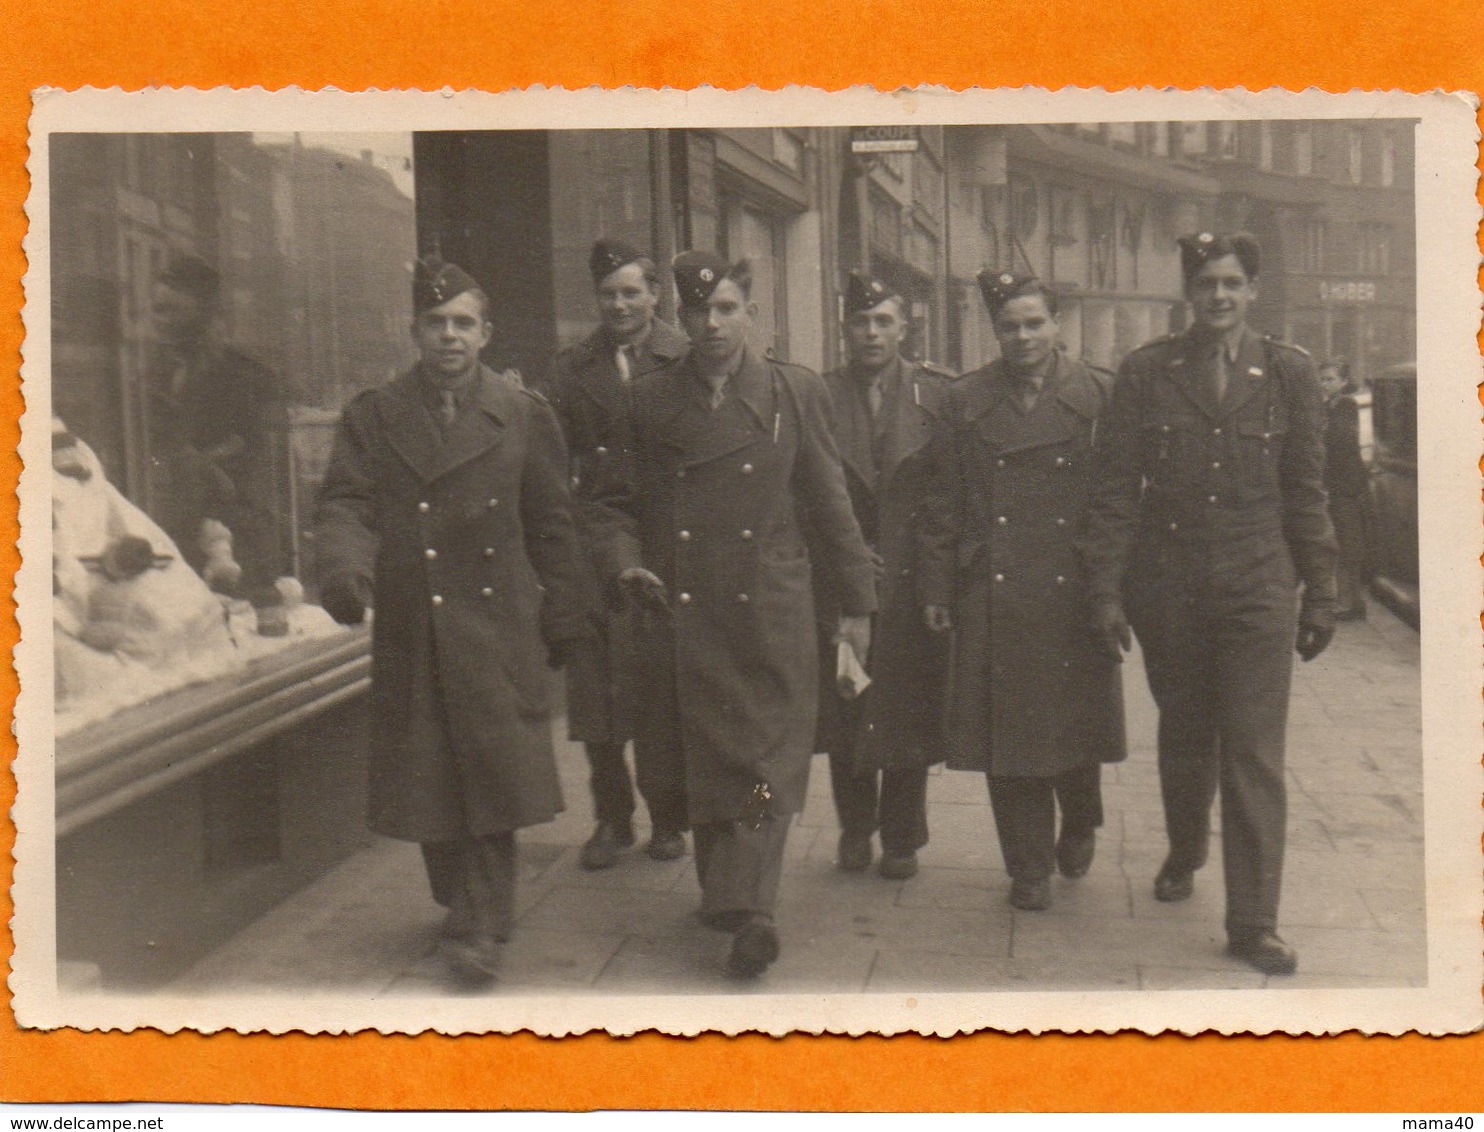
[
  {"x": 1316, "y": 630},
  {"x": 1111, "y": 626},
  {"x": 346, "y": 598},
  {"x": 561, "y": 654}
]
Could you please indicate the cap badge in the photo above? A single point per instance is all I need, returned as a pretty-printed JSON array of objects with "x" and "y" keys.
[
  {"x": 1205, "y": 238},
  {"x": 707, "y": 275}
]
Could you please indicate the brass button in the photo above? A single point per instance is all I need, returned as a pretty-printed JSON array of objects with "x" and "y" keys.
[
  {"x": 1061, "y": 581},
  {"x": 1267, "y": 436},
  {"x": 1060, "y": 522},
  {"x": 487, "y": 592},
  {"x": 1061, "y": 461},
  {"x": 1174, "y": 526},
  {"x": 684, "y": 599},
  {"x": 1214, "y": 432},
  {"x": 999, "y": 577},
  {"x": 601, "y": 450},
  {"x": 746, "y": 535},
  {"x": 1216, "y": 464},
  {"x": 684, "y": 536},
  {"x": 437, "y": 599},
  {"x": 1210, "y": 499},
  {"x": 1166, "y": 428},
  {"x": 743, "y": 598},
  {"x": 1002, "y": 520},
  {"x": 747, "y": 469},
  {"x": 489, "y": 552},
  {"x": 999, "y": 463},
  {"x": 680, "y": 473},
  {"x": 430, "y": 554},
  {"x": 424, "y": 507},
  {"x": 493, "y": 503}
]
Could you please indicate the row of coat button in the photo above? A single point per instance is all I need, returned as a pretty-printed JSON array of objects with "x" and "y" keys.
[
  {"x": 686, "y": 599},
  {"x": 430, "y": 554},
  {"x": 1060, "y": 579},
  {"x": 747, "y": 470},
  {"x": 1003, "y": 520},
  {"x": 424, "y": 506},
  {"x": 684, "y": 536},
  {"x": 487, "y": 591},
  {"x": 1060, "y": 462}
]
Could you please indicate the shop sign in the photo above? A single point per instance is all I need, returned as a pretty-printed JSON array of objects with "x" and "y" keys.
[
  {"x": 1347, "y": 291},
  {"x": 883, "y": 139}
]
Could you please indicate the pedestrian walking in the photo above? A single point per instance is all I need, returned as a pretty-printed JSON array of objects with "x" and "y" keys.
[
  {"x": 445, "y": 506},
  {"x": 882, "y": 741},
  {"x": 732, "y": 457},
  {"x": 589, "y": 390},
  {"x": 1348, "y": 482},
  {"x": 1036, "y": 703},
  {"x": 1208, "y": 515}
]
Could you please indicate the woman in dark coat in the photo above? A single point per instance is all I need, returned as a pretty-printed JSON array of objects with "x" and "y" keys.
[{"x": 1034, "y": 700}]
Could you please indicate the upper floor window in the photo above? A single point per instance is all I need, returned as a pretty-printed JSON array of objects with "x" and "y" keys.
[
  {"x": 1303, "y": 149},
  {"x": 1355, "y": 166}
]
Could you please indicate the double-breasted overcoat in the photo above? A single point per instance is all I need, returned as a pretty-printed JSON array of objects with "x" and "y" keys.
[
  {"x": 591, "y": 401},
  {"x": 1032, "y": 694},
  {"x": 716, "y": 506},
  {"x": 898, "y": 720},
  {"x": 469, "y": 544}
]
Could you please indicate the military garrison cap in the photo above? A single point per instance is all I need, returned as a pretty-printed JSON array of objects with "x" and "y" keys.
[
  {"x": 434, "y": 282},
  {"x": 697, "y": 274},
  {"x": 1197, "y": 250},
  {"x": 191, "y": 275},
  {"x": 863, "y": 292},
  {"x": 609, "y": 255},
  {"x": 999, "y": 287}
]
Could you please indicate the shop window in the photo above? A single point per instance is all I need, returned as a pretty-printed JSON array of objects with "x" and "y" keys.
[
  {"x": 1303, "y": 149},
  {"x": 1355, "y": 152},
  {"x": 1388, "y": 160},
  {"x": 1226, "y": 140},
  {"x": 1193, "y": 139},
  {"x": 759, "y": 236},
  {"x": 219, "y": 290},
  {"x": 1124, "y": 134},
  {"x": 1024, "y": 207},
  {"x": 1265, "y": 145}
]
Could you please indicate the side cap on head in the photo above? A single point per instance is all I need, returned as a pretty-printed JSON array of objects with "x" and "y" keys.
[
  {"x": 697, "y": 274},
  {"x": 434, "y": 282},
  {"x": 1199, "y": 249},
  {"x": 862, "y": 292},
  {"x": 192, "y": 275},
  {"x": 609, "y": 255},
  {"x": 999, "y": 287}
]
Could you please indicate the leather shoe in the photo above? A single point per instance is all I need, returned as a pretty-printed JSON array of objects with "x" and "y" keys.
[
  {"x": 603, "y": 847},
  {"x": 665, "y": 846},
  {"x": 1265, "y": 951},
  {"x": 1174, "y": 883},
  {"x": 471, "y": 960},
  {"x": 1074, "y": 852},
  {"x": 753, "y": 950},
  {"x": 898, "y": 866},
  {"x": 854, "y": 853},
  {"x": 1030, "y": 895}
]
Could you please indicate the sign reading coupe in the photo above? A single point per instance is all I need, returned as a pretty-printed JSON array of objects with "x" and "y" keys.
[{"x": 883, "y": 139}]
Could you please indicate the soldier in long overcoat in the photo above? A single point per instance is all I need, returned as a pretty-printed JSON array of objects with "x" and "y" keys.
[
  {"x": 589, "y": 390},
  {"x": 882, "y": 742},
  {"x": 1208, "y": 511},
  {"x": 1035, "y": 701},
  {"x": 732, "y": 453},
  {"x": 445, "y": 506}
]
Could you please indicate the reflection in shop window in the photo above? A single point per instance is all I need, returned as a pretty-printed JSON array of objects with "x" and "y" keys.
[{"x": 216, "y": 299}]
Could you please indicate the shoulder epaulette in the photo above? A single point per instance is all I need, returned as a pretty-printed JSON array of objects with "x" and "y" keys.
[
  {"x": 938, "y": 371},
  {"x": 534, "y": 394},
  {"x": 1163, "y": 339},
  {"x": 1294, "y": 346}
]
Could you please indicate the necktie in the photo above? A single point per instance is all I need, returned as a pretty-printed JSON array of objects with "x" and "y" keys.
[
  {"x": 1030, "y": 393},
  {"x": 621, "y": 359},
  {"x": 874, "y": 398},
  {"x": 448, "y": 408},
  {"x": 1218, "y": 374},
  {"x": 718, "y": 391}
]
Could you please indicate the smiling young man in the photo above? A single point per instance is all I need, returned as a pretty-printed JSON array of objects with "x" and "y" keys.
[
  {"x": 732, "y": 458},
  {"x": 882, "y": 742},
  {"x": 590, "y": 390},
  {"x": 1208, "y": 516},
  {"x": 445, "y": 506}
]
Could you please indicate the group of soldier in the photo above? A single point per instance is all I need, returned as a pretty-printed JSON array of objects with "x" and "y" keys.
[{"x": 739, "y": 562}]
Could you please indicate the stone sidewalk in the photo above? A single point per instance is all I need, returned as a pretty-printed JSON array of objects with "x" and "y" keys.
[{"x": 1352, "y": 902}]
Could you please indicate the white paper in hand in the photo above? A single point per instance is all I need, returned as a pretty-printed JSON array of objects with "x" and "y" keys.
[{"x": 850, "y": 678}]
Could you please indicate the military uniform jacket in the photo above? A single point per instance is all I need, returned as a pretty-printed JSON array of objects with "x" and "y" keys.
[
  {"x": 476, "y": 569},
  {"x": 716, "y": 506},
  {"x": 898, "y": 720},
  {"x": 1187, "y": 488},
  {"x": 592, "y": 405},
  {"x": 1032, "y": 693}
]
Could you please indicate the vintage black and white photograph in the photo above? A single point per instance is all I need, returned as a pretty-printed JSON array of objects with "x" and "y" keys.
[{"x": 772, "y": 562}]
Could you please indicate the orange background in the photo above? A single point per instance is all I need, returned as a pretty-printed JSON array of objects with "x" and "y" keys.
[{"x": 496, "y": 44}]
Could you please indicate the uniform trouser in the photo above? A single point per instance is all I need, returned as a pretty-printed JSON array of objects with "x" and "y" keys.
[
  {"x": 1220, "y": 662},
  {"x": 893, "y": 801},
  {"x": 662, "y": 787},
  {"x": 1025, "y": 816},
  {"x": 739, "y": 868},
  {"x": 474, "y": 878}
]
